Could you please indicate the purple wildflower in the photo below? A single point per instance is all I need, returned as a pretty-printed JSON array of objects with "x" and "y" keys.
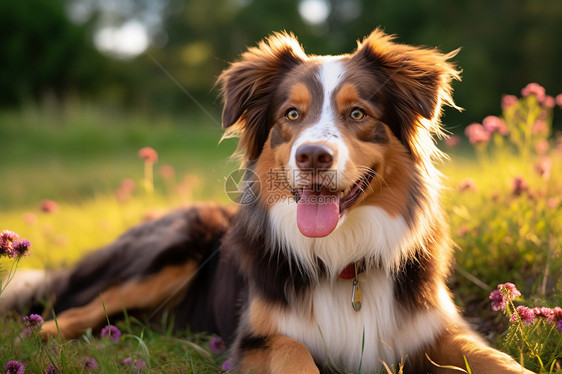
[
  {"x": 226, "y": 365},
  {"x": 33, "y": 320},
  {"x": 14, "y": 367},
  {"x": 526, "y": 315},
  {"x": 111, "y": 332},
  {"x": 498, "y": 301},
  {"x": 559, "y": 325},
  {"x": 128, "y": 360},
  {"x": 21, "y": 247},
  {"x": 51, "y": 369},
  {"x": 90, "y": 363},
  {"x": 217, "y": 345},
  {"x": 25, "y": 333},
  {"x": 139, "y": 364}
]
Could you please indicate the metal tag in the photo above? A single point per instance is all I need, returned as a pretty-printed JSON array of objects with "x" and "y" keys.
[{"x": 356, "y": 296}]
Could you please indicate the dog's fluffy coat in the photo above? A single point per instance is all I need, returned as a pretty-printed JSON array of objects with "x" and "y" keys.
[{"x": 266, "y": 277}]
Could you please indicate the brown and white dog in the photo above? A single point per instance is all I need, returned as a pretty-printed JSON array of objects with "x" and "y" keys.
[{"x": 338, "y": 261}]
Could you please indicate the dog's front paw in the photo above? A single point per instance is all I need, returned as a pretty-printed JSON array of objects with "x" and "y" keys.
[
  {"x": 291, "y": 356},
  {"x": 49, "y": 329}
]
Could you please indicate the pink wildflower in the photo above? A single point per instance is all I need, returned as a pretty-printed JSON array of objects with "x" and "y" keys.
[
  {"x": 123, "y": 193},
  {"x": 494, "y": 124},
  {"x": 30, "y": 218},
  {"x": 557, "y": 314},
  {"x": 467, "y": 184},
  {"x": 552, "y": 202},
  {"x": 549, "y": 101},
  {"x": 558, "y": 99},
  {"x": 128, "y": 360},
  {"x": 509, "y": 290},
  {"x": 148, "y": 154},
  {"x": 498, "y": 301},
  {"x": 476, "y": 133},
  {"x": 508, "y": 100},
  {"x": 519, "y": 186},
  {"x": 463, "y": 230},
  {"x": 526, "y": 315},
  {"x": 542, "y": 146},
  {"x": 7, "y": 238},
  {"x": 543, "y": 167},
  {"x": 534, "y": 89},
  {"x": 452, "y": 141},
  {"x": 217, "y": 345},
  {"x": 539, "y": 127},
  {"x": 49, "y": 206},
  {"x": 504, "y": 293},
  {"x": 544, "y": 312},
  {"x": 167, "y": 171}
]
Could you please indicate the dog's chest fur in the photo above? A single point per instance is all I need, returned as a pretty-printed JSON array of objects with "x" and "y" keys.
[
  {"x": 324, "y": 320},
  {"x": 334, "y": 332}
]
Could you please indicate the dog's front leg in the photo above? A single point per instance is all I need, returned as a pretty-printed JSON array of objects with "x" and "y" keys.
[
  {"x": 276, "y": 354},
  {"x": 458, "y": 343}
]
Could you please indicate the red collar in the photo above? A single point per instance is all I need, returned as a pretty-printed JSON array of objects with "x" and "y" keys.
[{"x": 348, "y": 272}]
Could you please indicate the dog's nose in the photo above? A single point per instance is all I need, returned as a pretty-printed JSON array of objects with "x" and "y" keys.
[{"x": 314, "y": 156}]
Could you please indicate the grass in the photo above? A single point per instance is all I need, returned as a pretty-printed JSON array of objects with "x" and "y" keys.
[{"x": 79, "y": 157}]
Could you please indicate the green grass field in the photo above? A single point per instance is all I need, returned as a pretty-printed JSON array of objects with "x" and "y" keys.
[{"x": 79, "y": 158}]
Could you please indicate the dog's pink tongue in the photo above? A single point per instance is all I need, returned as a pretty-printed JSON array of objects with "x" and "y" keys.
[{"x": 318, "y": 212}]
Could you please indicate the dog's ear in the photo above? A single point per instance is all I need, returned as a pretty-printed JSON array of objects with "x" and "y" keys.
[
  {"x": 414, "y": 82},
  {"x": 248, "y": 86}
]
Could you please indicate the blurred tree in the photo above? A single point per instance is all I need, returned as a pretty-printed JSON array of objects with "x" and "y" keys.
[
  {"x": 505, "y": 44},
  {"x": 43, "y": 53}
]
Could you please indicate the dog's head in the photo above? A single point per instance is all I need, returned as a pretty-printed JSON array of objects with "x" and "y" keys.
[{"x": 336, "y": 132}]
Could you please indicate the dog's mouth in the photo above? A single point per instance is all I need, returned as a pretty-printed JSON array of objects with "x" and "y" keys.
[{"x": 320, "y": 208}]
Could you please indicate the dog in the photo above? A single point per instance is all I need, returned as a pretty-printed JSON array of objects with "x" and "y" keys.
[{"x": 337, "y": 257}]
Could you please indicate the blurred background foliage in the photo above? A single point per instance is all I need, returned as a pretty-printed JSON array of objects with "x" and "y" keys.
[{"x": 143, "y": 54}]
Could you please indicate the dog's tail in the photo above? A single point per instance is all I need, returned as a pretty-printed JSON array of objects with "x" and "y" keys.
[
  {"x": 30, "y": 291},
  {"x": 183, "y": 235}
]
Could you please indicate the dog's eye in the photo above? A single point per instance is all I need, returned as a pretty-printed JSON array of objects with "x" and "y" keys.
[
  {"x": 357, "y": 114},
  {"x": 292, "y": 114}
]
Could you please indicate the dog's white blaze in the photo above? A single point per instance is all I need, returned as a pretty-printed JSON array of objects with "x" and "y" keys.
[
  {"x": 334, "y": 331},
  {"x": 364, "y": 232},
  {"x": 325, "y": 130}
]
